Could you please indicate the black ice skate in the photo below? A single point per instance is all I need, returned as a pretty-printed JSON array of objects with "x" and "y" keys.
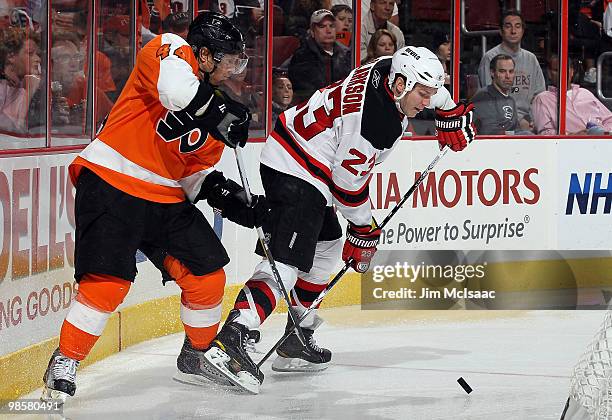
[
  {"x": 59, "y": 378},
  {"x": 293, "y": 356},
  {"x": 193, "y": 369},
  {"x": 228, "y": 356}
]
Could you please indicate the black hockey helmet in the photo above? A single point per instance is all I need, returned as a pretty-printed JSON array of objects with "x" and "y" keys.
[{"x": 217, "y": 33}]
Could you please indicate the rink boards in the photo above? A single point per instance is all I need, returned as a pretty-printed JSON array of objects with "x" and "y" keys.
[{"x": 540, "y": 195}]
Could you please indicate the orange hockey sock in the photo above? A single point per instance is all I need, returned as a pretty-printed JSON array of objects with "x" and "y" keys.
[
  {"x": 201, "y": 300},
  {"x": 97, "y": 298}
]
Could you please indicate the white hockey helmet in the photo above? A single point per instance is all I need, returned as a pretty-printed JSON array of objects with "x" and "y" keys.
[{"x": 416, "y": 65}]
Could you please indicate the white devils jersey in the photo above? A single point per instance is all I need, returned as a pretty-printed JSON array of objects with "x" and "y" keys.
[{"x": 335, "y": 138}]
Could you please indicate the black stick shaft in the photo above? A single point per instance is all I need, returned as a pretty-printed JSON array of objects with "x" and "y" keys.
[{"x": 262, "y": 239}]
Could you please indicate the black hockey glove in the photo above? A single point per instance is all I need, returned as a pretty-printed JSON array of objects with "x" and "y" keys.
[
  {"x": 214, "y": 114},
  {"x": 233, "y": 129},
  {"x": 229, "y": 197},
  {"x": 238, "y": 131}
]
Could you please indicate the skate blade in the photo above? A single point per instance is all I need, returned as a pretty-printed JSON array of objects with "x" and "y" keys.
[
  {"x": 199, "y": 380},
  {"x": 294, "y": 364},
  {"x": 217, "y": 359},
  {"x": 51, "y": 395}
]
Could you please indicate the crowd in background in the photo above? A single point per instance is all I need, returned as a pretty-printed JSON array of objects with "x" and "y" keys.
[{"x": 514, "y": 83}]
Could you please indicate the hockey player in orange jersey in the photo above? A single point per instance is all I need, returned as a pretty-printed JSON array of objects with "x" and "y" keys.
[{"x": 136, "y": 184}]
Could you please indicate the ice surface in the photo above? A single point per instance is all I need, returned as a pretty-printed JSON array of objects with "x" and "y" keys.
[{"x": 386, "y": 365}]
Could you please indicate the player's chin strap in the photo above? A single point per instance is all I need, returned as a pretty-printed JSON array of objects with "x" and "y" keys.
[
  {"x": 347, "y": 265},
  {"x": 397, "y": 99},
  {"x": 262, "y": 239}
]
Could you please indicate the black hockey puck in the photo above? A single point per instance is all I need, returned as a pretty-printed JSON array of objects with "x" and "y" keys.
[{"x": 464, "y": 385}]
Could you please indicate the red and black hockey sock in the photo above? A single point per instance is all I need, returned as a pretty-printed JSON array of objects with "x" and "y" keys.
[
  {"x": 306, "y": 292},
  {"x": 261, "y": 295}
]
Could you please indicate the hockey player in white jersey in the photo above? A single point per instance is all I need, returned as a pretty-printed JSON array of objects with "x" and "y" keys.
[{"x": 321, "y": 154}]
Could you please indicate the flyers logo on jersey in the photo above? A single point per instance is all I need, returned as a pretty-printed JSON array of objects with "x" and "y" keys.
[{"x": 181, "y": 126}]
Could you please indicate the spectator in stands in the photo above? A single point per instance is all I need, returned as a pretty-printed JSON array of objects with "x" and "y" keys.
[
  {"x": 382, "y": 43},
  {"x": 104, "y": 78},
  {"x": 69, "y": 84},
  {"x": 320, "y": 59},
  {"x": 20, "y": 78},
  {"x": 528, "y": 76},
  {"x": 585, "y": 35},
  {"x": 378, "y": 17},
  {"x": 298, "y": 21},
  {"x": 248, "y": 15},
  {"x": 443, "y": 49},
  {"x": 143, "y": 20},
  {"x": 177, "y": 23},
  {"x": 344, "y": 23},
  {"x": 282, "y": 94},
  {"x": 66, "y": 74},
  {"x": 240, "y": 91},
  {"x": 365, "y": 6},
  {"x": 494, "y": 108},
  {"x": 66, "y": 59},
  {"x": 233, "y": 9},
  {"x": 584, "y": 113},
  {"x": 116, "y": 45},
  {"x": 106, "y": 90}
]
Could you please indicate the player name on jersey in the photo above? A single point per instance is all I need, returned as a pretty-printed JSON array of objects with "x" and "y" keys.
[{"x": 353, "y": 95}]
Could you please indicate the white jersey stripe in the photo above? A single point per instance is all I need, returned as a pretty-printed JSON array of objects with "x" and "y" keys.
[
  {"x": 102, "y": 154},
  {"x": 87, "y": 319},
  {"x": 193, "y": 183},
  {"x": 199, "y": 318}
]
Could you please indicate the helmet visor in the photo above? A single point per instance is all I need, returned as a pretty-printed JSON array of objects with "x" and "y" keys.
[{"x": 234, "y": 63}]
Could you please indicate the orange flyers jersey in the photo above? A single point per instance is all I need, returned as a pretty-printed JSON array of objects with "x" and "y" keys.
[{"x": 130, "y": 153}]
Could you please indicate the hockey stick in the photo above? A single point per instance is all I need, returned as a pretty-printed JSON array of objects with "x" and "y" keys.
[
  {"x": 264, "y": 245},
  {"x": 344, "y": 269}
]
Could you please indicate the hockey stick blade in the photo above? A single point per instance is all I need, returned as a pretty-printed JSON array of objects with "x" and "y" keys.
[{"x": 344, "y": 269}]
